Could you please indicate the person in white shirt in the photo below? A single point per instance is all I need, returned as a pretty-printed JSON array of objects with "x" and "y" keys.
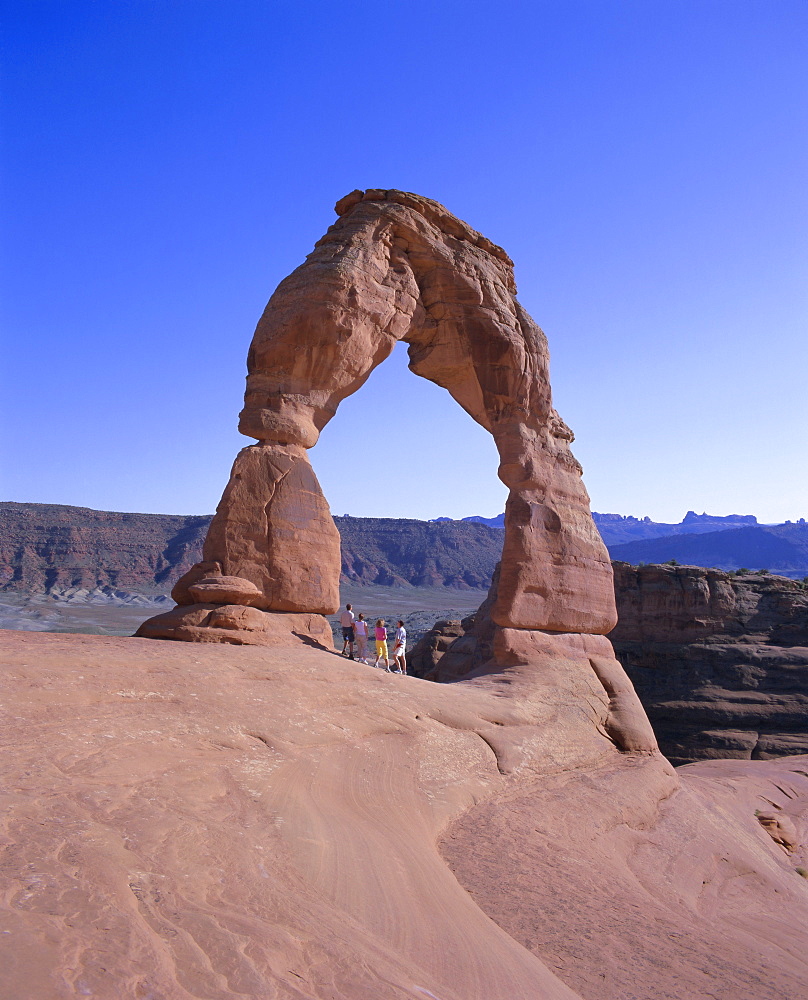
[
  {"x": 400, "y": 648},
  {"x": 346, "y": 620},
  {"x": 360, "y": 627}
]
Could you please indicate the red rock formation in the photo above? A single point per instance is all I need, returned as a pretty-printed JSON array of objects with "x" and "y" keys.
[
  {"x": 396, "y": 266},
  {"x": 238, "y": 625},
  {"x": 186, "y": 820},
  {"x": 574, "y": 663},
  {"x": 681, "y": 604},
  {"x": 273, "y": 528}
]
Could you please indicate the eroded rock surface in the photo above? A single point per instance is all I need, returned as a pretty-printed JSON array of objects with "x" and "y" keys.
[
  {"x": 196, "y": 820},
  {"x": 570, "y": 663}
]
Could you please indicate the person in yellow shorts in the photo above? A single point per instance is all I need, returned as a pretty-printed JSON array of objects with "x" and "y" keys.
[{"x": 381, "y": 644}]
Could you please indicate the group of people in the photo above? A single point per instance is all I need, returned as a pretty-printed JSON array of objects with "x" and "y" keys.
[{"x": 355, "y": 630}]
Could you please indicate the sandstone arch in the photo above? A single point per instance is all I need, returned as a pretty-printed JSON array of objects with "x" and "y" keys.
[{"x": 396, "y": 266}]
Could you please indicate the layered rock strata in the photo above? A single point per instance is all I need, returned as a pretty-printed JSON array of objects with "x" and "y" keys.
[
  {"x": 720, "y": 661},
  {"x": 49, "y": 548},
  {"x": 396, "y": 266}
]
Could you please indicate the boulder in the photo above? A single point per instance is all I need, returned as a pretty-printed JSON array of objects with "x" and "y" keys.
[{"x": 224, "y": 590}]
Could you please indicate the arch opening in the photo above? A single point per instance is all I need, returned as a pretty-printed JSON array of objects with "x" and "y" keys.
[{"x": 401, "y": 448}]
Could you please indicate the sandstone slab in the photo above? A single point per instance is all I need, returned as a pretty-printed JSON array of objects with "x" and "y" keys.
[
  {"x": 190, "y": 819},
  {"x": 224, "y": 590}
]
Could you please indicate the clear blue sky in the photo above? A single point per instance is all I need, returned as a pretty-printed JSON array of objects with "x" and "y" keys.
[{"x": 167, "y": 162}]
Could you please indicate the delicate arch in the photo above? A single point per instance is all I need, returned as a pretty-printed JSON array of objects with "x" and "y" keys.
[{"x": 393, "y": 267}]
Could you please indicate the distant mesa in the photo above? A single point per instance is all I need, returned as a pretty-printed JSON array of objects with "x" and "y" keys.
[
  {"x": 691, "y": 517},
  {"x": 48, "y": 548},
  {"x": 492, "y": 522},
  {"x": 644, "y": 527},
  {"x": 726, "y": 542},
  {"x": 780, "y": 548}
]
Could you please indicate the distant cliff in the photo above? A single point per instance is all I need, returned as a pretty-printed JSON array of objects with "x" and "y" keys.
[
  {"x": 720, "y": 661},
  {"x": 422, "y": 553},
  {"x": 780, "y": 548},
  {"x": 48, "y": 546},
  {"x": 616, "y": 529},
  {"x": 725, "y": 542}
]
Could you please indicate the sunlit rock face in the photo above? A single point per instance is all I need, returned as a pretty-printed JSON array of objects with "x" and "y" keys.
[{"x": 396, "y": 266}]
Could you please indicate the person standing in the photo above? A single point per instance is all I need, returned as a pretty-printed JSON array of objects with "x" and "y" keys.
[
  {"x": 400, "y": 648},
  {"x": 360, "y": 627},
  {"x": 346, "y": 620},
  {"x": 381, "y": 644}
]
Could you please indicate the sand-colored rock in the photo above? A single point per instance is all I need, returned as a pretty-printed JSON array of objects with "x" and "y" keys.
[
  {"x": 273, "y": 528},
  {"x": 780, "y": 827},
  {"x": 396, "y": 266},
  {"x": 624, "y": 894},
  {"x": 196, "y": 820},
  {"x": 558, "y": 664}
]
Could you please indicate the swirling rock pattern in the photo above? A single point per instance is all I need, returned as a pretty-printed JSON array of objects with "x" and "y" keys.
[{"x": 196, "y": 820}]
